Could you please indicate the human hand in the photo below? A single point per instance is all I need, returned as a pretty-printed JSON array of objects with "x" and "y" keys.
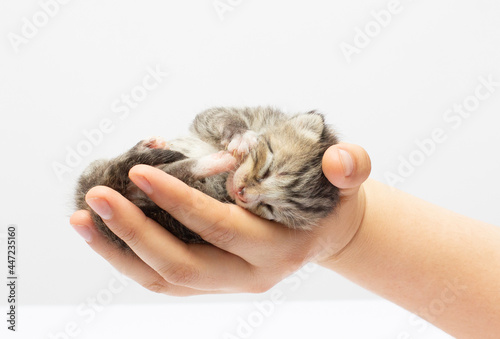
[{"x": 248, "y": 253}]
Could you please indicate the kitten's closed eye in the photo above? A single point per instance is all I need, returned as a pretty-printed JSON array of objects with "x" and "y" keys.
[
  {"x": 262, "y": 157},
  {"x": 266, "y": 175}
]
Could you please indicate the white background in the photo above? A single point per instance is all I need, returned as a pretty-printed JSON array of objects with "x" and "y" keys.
[{"x": 64, "y": 79}]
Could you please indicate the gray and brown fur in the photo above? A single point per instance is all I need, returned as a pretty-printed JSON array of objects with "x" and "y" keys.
[{"x": 279, "y": 178}]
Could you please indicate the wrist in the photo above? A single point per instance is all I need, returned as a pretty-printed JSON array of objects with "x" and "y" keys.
[{"x": 341, "y": 229}]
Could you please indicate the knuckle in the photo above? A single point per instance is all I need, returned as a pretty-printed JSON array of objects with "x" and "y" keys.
[
  {"x": 156, "y": 286},
  {"x": 220, "y": 232},
  {"x": 198, "y": 201},
  {"x": 218, "y": 235},
  {"x": 180, "y": 274},
  {"x": 130, "y": 236},
  {"x": 175, "y": 208},
  {"x": 183, "y": 209}
]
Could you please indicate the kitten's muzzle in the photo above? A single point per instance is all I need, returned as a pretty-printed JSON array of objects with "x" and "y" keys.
[{"x": 241, "y": 194}]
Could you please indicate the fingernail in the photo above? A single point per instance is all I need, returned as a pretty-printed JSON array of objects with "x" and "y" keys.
[
  {"x": 143, "y": 184},
  {"x": 347, "y": 162},
  {"x": 84, "y": 232},
  {"x": 101, "y": 207}
]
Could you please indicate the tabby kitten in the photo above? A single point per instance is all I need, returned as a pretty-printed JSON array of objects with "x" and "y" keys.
[{"x": 259, "y": 158}]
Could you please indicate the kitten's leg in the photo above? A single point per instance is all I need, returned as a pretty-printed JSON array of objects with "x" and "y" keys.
[
  {"x": 190, "y": 170},
  {"x": 226, "y": 128},
  {"x": 155, "y": 143},
  {"x": 151, "y": 143},
  {"x": 219, "y": 125},
  {"x": 214, "y": 164}
]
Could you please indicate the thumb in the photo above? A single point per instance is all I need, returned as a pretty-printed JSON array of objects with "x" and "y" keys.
[{"x": 346, "y": 166}]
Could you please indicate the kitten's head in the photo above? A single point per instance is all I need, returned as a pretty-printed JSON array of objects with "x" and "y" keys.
[{"x": 282, "y": 178}]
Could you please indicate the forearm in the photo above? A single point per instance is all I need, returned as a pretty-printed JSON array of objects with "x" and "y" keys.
[{"x": 440, "y": 265}]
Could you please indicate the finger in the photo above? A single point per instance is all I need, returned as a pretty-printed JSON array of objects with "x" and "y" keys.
[
  {"x": 178, "y": 263},
  {"x": 225, "y": 225},
  {"x": 346, "y": 166},
  {"x": 125, "y": 262}
]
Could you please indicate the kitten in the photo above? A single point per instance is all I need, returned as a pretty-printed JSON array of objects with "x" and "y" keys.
[{"x": 259, "y": 158}]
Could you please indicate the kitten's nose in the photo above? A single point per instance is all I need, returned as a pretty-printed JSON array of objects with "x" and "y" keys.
[{"x": 241, "y": 194}]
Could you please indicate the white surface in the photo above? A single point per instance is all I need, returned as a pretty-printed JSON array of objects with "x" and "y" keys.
[
  {"x": 333, "y": 319},
  {"x": 68, "y": 77}
]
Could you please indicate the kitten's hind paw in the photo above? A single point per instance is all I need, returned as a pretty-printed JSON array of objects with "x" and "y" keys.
[
  {"x": 155, "y": 142},
  {"x": 241, "y": 144},
  {"x": 214, "y": 164}
]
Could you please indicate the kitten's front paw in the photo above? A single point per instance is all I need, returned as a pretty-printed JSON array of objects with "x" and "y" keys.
[
  {"x": 155, "y": 142},
  {"x": 241, "y": 144}
]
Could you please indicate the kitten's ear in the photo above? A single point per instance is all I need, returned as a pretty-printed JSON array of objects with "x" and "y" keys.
[{"x": 310, "y": 125}]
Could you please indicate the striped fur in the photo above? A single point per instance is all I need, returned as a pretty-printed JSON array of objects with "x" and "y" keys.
[{"x": 280, "y": 178}]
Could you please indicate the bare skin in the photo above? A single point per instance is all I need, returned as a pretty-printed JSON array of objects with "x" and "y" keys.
[{"x": 438, "y": 264}]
